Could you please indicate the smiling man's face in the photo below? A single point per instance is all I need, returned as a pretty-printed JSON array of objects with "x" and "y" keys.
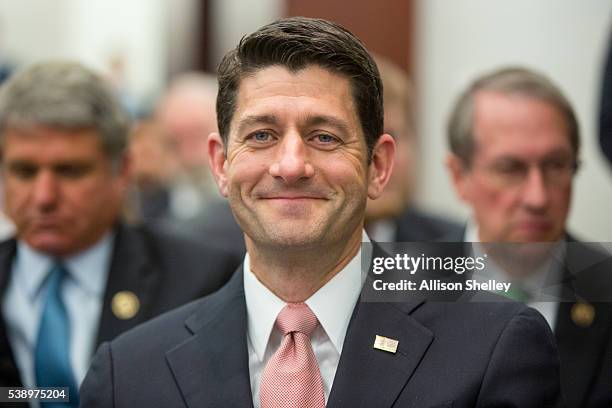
[{"x": 296, "y": 170}]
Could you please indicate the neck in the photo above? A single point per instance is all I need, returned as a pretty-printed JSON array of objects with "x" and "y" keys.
[{"x": 295, "y": 275}]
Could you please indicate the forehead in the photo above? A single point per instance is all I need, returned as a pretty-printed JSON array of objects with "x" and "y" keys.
[
  {"x": 518, "y": 124},
  {"x": 42, "y": 142},
  {"x": 308, "y": 92}
]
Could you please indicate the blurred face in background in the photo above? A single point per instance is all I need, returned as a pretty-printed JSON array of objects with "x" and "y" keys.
[
  {"x": 519, "y": 182},
  {"x": 61, "y": 189},
  {"x": 188, "y": 117},
  {"x": 153, "y": 157}
]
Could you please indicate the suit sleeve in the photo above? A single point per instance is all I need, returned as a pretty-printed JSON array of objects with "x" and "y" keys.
[
  {"x": 97, "y": 389},
  {"x": 523, "y": 370}
]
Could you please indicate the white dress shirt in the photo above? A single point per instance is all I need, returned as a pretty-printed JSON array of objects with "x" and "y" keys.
[
  {"x": 533, "y": 283},
  {"x": 333, "y": 305},
  {"x": 82, "y": 293}
]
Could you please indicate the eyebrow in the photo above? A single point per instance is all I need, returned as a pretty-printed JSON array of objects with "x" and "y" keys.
[
  {"x": 332, "y": 121},
  {"x": 311, "y": 121},
  {"x": 251, "y": 120}
]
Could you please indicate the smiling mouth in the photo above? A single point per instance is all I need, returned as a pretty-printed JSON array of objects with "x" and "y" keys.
[{"x": 294, "y": 198}]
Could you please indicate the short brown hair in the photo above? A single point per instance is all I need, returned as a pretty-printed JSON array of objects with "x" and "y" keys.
[
  {"x": 296, "y": 43},
  {"x": 512, "y": 80}
]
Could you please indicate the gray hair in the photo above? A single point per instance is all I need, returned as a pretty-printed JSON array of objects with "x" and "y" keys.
[
  {"x": 65, "y": 95},
  {"x": 512, "y": 80}
]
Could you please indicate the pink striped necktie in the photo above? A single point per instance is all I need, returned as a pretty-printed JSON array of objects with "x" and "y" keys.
[{"x": 292, "y": 377}]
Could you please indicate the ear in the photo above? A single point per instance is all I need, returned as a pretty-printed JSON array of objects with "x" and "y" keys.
[
  {"x": 381, "y": 165},
  {"x": 217, "y": 161},
  {"x": 459, "y": 173}
]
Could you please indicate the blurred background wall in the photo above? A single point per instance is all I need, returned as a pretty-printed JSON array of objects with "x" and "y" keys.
[{"x": 141, "y": 44}]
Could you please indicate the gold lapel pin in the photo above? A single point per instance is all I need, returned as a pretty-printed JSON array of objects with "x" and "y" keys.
[
  {"x": 385, "y": 344},
  {"x": 125, "y": 305},
  {"x": 583, "y": 314}
]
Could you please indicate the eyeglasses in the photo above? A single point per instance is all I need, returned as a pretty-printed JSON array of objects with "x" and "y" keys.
[{"x": 556, "y": 172}]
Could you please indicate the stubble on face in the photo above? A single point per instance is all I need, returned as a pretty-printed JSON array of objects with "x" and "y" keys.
[{"x": 296, "y": 160}]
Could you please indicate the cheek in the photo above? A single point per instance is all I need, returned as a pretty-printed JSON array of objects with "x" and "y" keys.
[
  {"x": 94, "y": 195},
  {"x": 343, "y": 174},
  {"x": 15, "y": 198},
  {"x": 561, "y": 201},
  {"x": 493, "y": 202},
  {"x": 243, "y": 175}
]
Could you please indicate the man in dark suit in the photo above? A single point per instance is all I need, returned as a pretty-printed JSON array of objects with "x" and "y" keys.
[
  {"x": 394, "y": 217},
  {"x": 300, "y": 149},
  {"x": 514, "y": 142},
  {"x": 76, "y": 275}
]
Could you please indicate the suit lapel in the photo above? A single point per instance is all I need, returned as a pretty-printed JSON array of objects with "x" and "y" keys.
[
  {"x": 9, "y": 375},
  {"x": 131, "y": 270},
  {"x": 367, "y": 377},
  {"x": 211, "y": 367}
]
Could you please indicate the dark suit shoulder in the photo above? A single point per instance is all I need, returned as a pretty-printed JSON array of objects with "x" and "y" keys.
[
  {"x": 179, "y": 247},
  {"x": 162, "y": 271},
  {"x": 158, "y": 333},
  {"x": 134, "y": 369},
  {"x": 188, "y": 264},
  {"x": 171, "y": 327},
  {"x": 503, "y": 352},
  {"x": 417, "y": 225}
]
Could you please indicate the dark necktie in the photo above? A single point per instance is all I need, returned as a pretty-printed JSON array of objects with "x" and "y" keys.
[{"x": 52, "y": 355}]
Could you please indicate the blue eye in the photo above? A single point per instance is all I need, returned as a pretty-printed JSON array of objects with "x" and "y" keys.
[
  {"x": 326, "y": 138},
  {"x": 261, "y": 136}
]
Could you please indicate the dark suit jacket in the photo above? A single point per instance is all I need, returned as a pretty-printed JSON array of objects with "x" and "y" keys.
[
  {"x": 585, "y": 352},
  {"x": 416, "y": 226},
  {"x": 449, "y": 355},
  {"x": 163, "y": 271}
]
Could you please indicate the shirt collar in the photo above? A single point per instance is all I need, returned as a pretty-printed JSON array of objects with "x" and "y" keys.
[
  {"x": 333, "y": 304},
  {"x": 89, "y": 268}
]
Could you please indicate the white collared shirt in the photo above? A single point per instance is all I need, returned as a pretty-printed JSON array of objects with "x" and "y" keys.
[
  {"x": 82, "y": 292},
  {"x": 534, "y": 282},
  {"x": 333, "y": 305}
]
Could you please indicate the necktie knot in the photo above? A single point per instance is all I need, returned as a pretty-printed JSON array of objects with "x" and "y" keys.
[
  {"x": 297, "y": 317},
  {"x": 56, "y": 275}
]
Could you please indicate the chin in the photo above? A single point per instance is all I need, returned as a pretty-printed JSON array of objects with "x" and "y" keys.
[
  {"x": 51, "y": 247},
  {"x": 292, "y": 238}
]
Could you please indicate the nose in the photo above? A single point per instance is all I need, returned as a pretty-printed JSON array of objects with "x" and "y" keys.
[
  {"x": 45, "y": 191},
  {"x": 291, "y": 163},
  {"x": 535, "y": 191}
]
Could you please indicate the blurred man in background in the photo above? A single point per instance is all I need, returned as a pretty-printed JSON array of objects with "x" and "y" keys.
[
  {"x": 393, "y": 216},
  {"x": 76, "y": 275},
  {"x": 514, "y": 141},
  {"x": 175, "y": 187}
]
